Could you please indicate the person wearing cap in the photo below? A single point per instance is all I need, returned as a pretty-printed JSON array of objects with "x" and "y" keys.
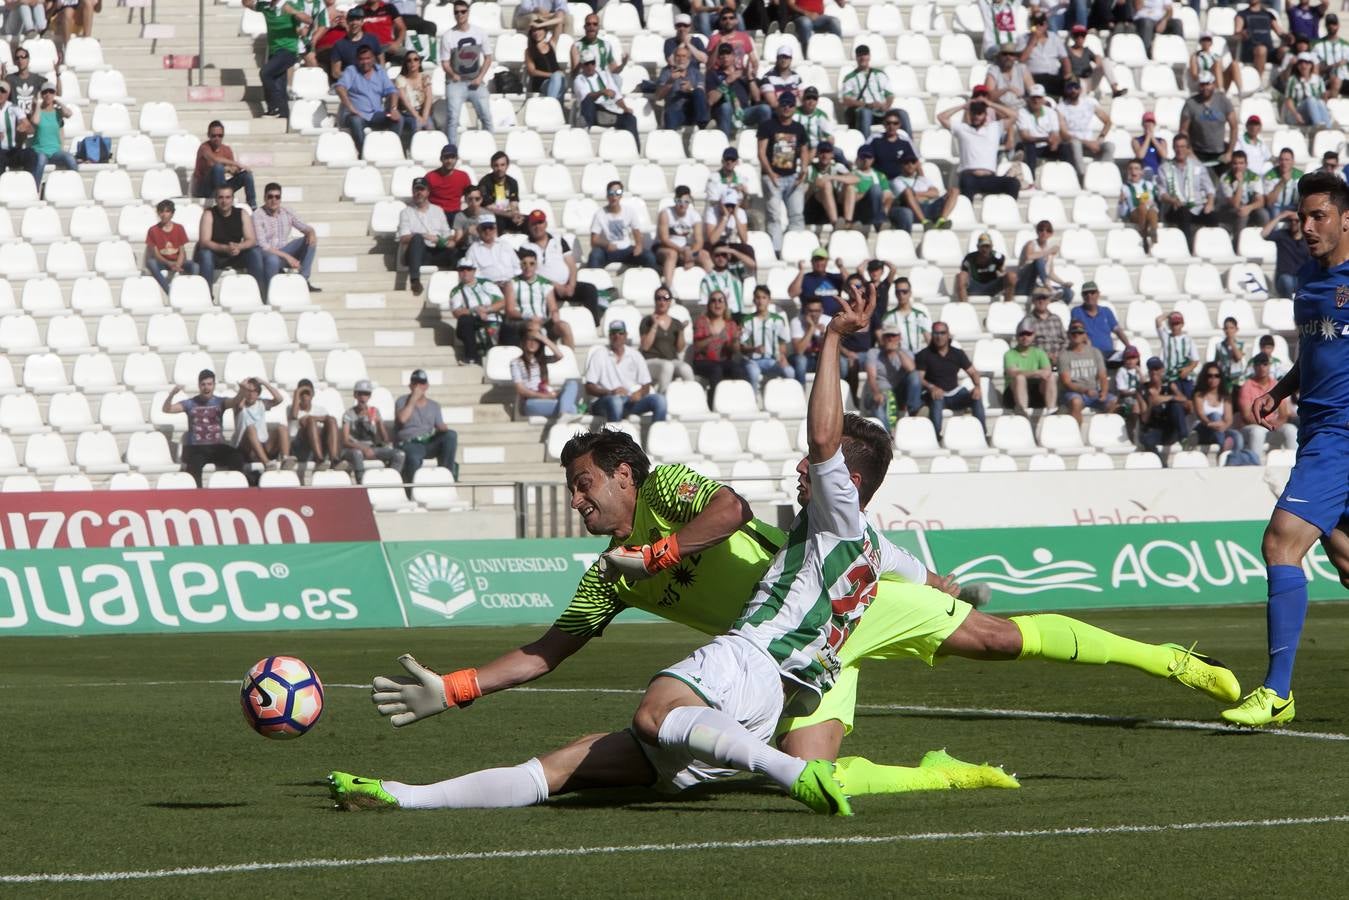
[
  {"x": 1278, "y": 367},
  {"x": 781, "y": 78},
  {"x": 364, "y": 435},
  {"x": 984, "y": 129},
  {"x": 1209, "y": 120},
  {"x": 733, "y": 94},
  {"x": 725, "y": 178},
  {"x": 1153, "y": 17},
  {"x": 982, "y": 272},
  {"x": 47, "y": 142},
  {"x": 1206, "y": 59},
  {"x": 1241, "y": 197},
  {"x": 686, "y": 36},
  {"x": 1035, "y": 264},
  {"x": 466, "y": 57},
  {"x": 1083, "y": 376},
  {"x": 599, "y": 97},
  {"x": 764, "y": 339},
  {"x": 1258, "y": 158},
  {"x": 420, "y": 430},
  {"x": 501, "y": 195},
  {"x": 939, "y": 366},
  {"x": 730, "y": 31},
  {"x": 1332, "y": 53},
  {"x": 1083, "y": 127},
  {"x": 1038, "y": 130},
  {"x": 828, "y": 201},
  {"x": 1281, "y": 421},
  {"x": 1304, "y": 102},
  {"x": 1100, "y": 321},
  {"x": 872, "y": 196},
  {"x": 532, "y": 303},
  {"x": 592, "y": 41},
  {"x": 1126, "y": 382},
  {"x": 344, "y": 52},
  {"x": 369, "y": 100},
  {"x": 818, "y": 124},
  {"x": 1137, "y": 204},
  {"x": 204, "y": 438},
  {"x": 808, "y": 17},
  {"x": 662, "y": 343},
  {"x": 679, "y": 236},
  {"x": 1162, "y": 411},
  {"x": 1008, "y": 81},
  {"x": 493, "y": 259},
  {"x": 865, "y": 93},
  {"x": 1087, "y": 67},
  {"x": 681, "y": 87},
  {"x": 784, "y": 158},
  {"x": 618, "y": 382},
  {"x": 546, "y": 78},
  {"x": 1050, "y": 335},
  {"x": 1280, "y": 184},
  {"x": 272, "y": 225},
  {"x": 618, "y": 232},
  {"x": 1178, "y": 351},
  {"x": 166, "y": 247},
  {"x": 1185, "y": 192},
  {"x": 550, "y": 15},
  {"x": 1150, "y": 148},
  {"x": 423, "y": 235},
  {"x": 477, "y": 306},
  {"x": 216, "y": 167},
  {"x": 557, "y": 263},
  {"x": 1028, "y": 375},
  {"x": 892, "y": 381},
  {"x": 1045, "y": 55},
  {"x": 1254, "y": 32},
  {"x": 261, "y": 442},
  {"x": 283, "y": 20},
  {"x": 448, "y": 181},
  {"x": 1284, "y": 231}
]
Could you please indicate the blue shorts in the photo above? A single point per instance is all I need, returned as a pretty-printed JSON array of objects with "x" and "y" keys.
[
  {"x": 1318, "y": 487},
  {"x": 1098, "y": 404}
]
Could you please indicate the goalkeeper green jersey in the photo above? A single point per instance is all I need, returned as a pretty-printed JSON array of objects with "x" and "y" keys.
[{"x": 706, "y": 590}]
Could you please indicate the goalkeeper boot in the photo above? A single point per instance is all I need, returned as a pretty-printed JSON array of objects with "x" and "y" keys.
[
  {"x": 817, "y": 788},
  {"x": 963, "y": 775},
  {"x": 351, "y": 792},
  {"x": 1203, "y": 673},
  {"x": 1260, "y": 708}
]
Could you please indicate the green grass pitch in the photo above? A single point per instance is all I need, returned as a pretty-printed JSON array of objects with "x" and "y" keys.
[{"x": 108, "y": 772}]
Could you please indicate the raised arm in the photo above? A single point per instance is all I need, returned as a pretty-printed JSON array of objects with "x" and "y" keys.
[{"x": 824, "y": 417}]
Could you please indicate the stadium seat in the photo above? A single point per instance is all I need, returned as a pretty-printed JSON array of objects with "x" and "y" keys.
[
  {"x": 68, "y": 334},
  {"x": 719, "y": 440},
  {"x": 914, "y": 436},
  {"x": 89, "y": 224},
  {"x": 736, "y": 400},
  {"x": 1045, "y": 462},
  {"x": 1107, "y": 432},
  {"x": 225, "y": 478},
  {"x": 42, "y": 297},
  {"x": 69, "y": 413},
  {"x": 997, "y": 462},
  {"x": 386, "y": 491},
  {"x": 687, "y": 402},
  {"x": 128, "y": 481},
  {"x": 46, "y": 455},
  {"x": 1012, "y": 435},
  {"x": 1189, "y": 459},
  {"x": 93, "y": 374},
  {"x": 784, "y": 398}
]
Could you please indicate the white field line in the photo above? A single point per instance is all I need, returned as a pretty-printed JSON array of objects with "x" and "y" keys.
[{"x": 615, "y": 849}]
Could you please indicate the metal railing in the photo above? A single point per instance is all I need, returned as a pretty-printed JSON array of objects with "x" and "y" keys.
[{"x": 543, "y": 509}]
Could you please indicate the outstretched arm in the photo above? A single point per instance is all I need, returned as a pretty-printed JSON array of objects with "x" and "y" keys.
[{"x": 824, "y": 417}]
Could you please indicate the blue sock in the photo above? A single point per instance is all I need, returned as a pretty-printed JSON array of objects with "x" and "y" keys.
[{"x": 1284, "y": 616}]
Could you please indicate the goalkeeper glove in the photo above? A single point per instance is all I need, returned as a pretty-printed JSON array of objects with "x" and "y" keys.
[
  {"x": 423, "y": 695},
  {"x": 636, "y": 563}
]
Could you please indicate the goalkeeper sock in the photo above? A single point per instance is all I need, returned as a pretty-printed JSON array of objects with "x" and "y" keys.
[
  {"x": 1284, "y": 616},
  {"x": 522, "y": 785},
  {"x": 1063, "y": 639},
  {"x": 862, "y": 776},
  {"x": 715, "y": 737}
]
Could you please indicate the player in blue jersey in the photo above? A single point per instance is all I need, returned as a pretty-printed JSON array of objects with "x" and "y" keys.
[{"x": 1315, "y": 503}]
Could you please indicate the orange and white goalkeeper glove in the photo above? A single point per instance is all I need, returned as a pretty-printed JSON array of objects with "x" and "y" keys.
[
  {"x": 424, "y": 694},
  {"x": 636, "y": 563}
]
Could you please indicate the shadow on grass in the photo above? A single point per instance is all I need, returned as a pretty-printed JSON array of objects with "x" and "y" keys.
[
  {"x": 1058, "y": 718},
  {"x": 195, "y": 806},
  {"x": 646, "y": 800}
]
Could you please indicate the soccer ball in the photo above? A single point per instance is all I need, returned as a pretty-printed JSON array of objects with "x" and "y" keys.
[{"x": 282, "y": 697}]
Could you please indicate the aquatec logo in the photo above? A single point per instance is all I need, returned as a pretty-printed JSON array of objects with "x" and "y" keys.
[{"x": 439, "y": 584}]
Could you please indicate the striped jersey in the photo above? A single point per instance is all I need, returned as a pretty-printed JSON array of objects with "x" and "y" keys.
[
  {"x": 769, "y": 333},
  {"x": 1287, "y": 197},
  {"x": 1177, "y": 351},
  {"x": 728, "y": 284},
  {"x": 1310, "y": 88},
  {"x": 915, "y": 327},
  {"x": 472, "y": 296},
  {"x": 817, "y": 125},
  {"x": 869, "y": 86},
  {"x": 1333, "y": 53},
  {"x": 818, "y": 586},
  {"x": 706, "y": 590},
  {"x": 532, "y": 296},
  {"x": 1133, "y": 195},
  {"x": 1245, "y": 192}
]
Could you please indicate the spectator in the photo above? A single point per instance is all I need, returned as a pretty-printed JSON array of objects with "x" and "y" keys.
[
  {"x": 716, "y": 344},
  {"x": 781, "y": 78},
  {"x": 1253, "y": 35},
  {"x": 313, "y": 432},
  {"x": 1206, "y": 60},
  {"x": 557, "y": 263},
  {"x": 476, "y": 307},
  {"x": 420, "y": 34},
  {"x": 892, "y": 145},
  {"x": 273, "y": 225},
  {"x": 1048, "y": 327},
  {"x": 619, "y": 382},
  {"x": 346, "y": 50},
  {"x": 592, "y": 41},
  {"x": 661, "y": 340},
  {"x": 328, "y": 28},
  {"x": 818, "y": 124},
  {"x": 1332, "y": 53},
  {"x": 784, "y": 157},
  {"x": 1277, "y": 367},
  {"x": 414, "y": 91},
  {"x": 730, "y": 31},
  {"x": 1036, "y": 264},
  {"x": 685, "y": 37},
  {"x": 1286, "y": 71},
  {"x": 1046, "y": 55},
  {"x": 257, "y": 440},
  {"x": 1127, "y": 381},
  {"x": 827, "y": 183},
  {"x": 1153, "y": 17},
  {"x": 226, "y": 240},
  {"x": 284, "y": 21},
  {"x": 369, "y": 100},
  {"x": 364, "y": 436},
  {"x": 1038, "y": 129},
  {"x": 818, "y": 283},
  {"x": 600, "y": 98},
  {"x": 1290, "y": 251},
  {"x": 725, "y": 178},
  {"x": 448, "y": 183},
  {"x": 1215, "y": 423},
  {"x": 204, "y": 440},
  {"x": 537, "y": 396},
  {"x": 1330, "y": 164},
  {"x": 1280, "y": 185},
  {"x": 32, "y": 19},
  {"x": 1087, "y": 67},
  {"x": 1178, "y": 352},
  {"x": 1137, "y": 203},
  {"x": 679, "y": 236},
  {"x": 493, "y": 258},
  {"x": 466, "y": 59},
  {"x": 1304, "y": 101},
  {"x": 733, "y": 96},
  {"x": 1083, "y": 376},
  {"x": 1029, "y": 375},
  {"x": 807, "y": 336},
  {"x": 865, "y": 93},
  {"x": 1304, "y": 20},
  {"x": 1149, "y": 147},
  {"x": 999, "y": 26},
  {"x": 808, "y": 17},
  {"x": 1243, "y": 201},
  {"x": 1281, "y": 420},
  {"x": 939, "y": 366},
  {"x": 1257, "y": 156},
  {"x": 979, "y": 138},
  {"x": 501, "y": 195},
  {"x": 892, "y": 382},
  {"x": 1008, "y": 81},
  {"x": 616, "y": 234},
  {"x": 420, "y": 430},
  {"x": 913, "y": 322},
  {"x": 1185, "y": 191},
  {"x": 919, "y": 199},
  {"x": 1100, "y": 322},
  {"x": 216, "y": 167},
  {"x": 61, "y": 17},
  {"x": 1079, "y": 134},
  {"x": 764, "y": 338},
  {"x": 24, "y": 83},
  {"x": 550, "y": 15},
  {"x": 726, "y": 225},
  {"x": 47, "y": 143},
  {"x": 1230, "y": 355},
  {"x": 982, "y": 273},
  {"x": 532, "y": 303},
  {"x": 541, "y": 65},
  {"x": 873, "y": 190},
  {"x": 1209, "y": 120},
  {"x": 681, "y": 87},
  {"x": 424, "y": 234},
  {"x": 1162, "y": 409},
  {"x": 385, "y": 24},
  {"x": 465, "y": 222},
  {"x": 166, "y": 247}
]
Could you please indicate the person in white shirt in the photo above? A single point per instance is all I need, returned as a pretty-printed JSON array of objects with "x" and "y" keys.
[
  {"x": 1078, "y": 131},
  {"x": 477, "y": 307},
  {"x": 557, "y": 263},
  {"x": 600, "y": 97},
  {"x": 423, "y": 234},
  {"x": 618, "y": 381},
  {"x": 1045, "y": 54},
  {"x": 679, "y": 236},
  {"x": 257, "y": 440},
  {"x": 1038, "y": 129},
  {"x": 466, "y": 57},
  {"x": 494, "y": 259},
  {"x": 979, "y": 137},
  {"x": 616, "y": 234}
]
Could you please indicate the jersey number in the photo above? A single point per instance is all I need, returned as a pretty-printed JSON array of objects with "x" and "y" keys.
[{"x": 862, "y": 579}]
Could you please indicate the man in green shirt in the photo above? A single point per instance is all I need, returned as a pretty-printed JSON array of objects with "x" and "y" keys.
[
  {"x": 1029, "y": 375},
  {"x": 283, "y": 50}
]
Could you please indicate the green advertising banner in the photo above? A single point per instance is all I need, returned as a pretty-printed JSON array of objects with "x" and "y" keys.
[
  {"x": 1118, "y": 565},
  {"x": 197, "y": 589}
]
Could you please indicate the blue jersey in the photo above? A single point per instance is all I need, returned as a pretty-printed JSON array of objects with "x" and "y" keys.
[{"x": 1321, "y": 310}]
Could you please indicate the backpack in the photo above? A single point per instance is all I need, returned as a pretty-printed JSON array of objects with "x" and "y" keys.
[
  {"x": 507, "y": 82},
  {"x": 94, "y": 149}
]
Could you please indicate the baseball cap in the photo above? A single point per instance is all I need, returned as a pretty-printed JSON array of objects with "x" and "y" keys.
[
  {"x": 1206, "y": 36},
  {"x": 1155, "y": 362},
  {"x": 1037, "y": 90},
  {"x": 891, "y": 329},
  {"x": 538, "y": 215},
  {"x": 449, "y": 150},
  {"x": 683, "y": 19},
  {"x": 786, "y": 98},
  {"x": 819, "y": 253},
  {"x": 488, "y": 219},
  {"x": 1149, "y": 117},
  {"x": 1131, "y": 351},
  {"x": 1071, "y": 84},
  {"x": 786, "y": 50},
  {"x": 1021, "y": 331},
  {"x": 418, "y": 376},
  {"x": 730, "y": 153},
  {"x": 866, "y": 153},
  {"x": 363, "y": 387},
  {"x": 1254, "y": 120},
  {"x": 1306, "y": 57},
  {"x": 862, "y": 50},
  {"x": 1078, "y": 29},
  {"x": 1206, "y": 78},
  {"x": 984, "y": 240},
  {"x": 618, "y": 326},
  {"x": 824, "y": 147},
  {"x": 355, "y": 14},
  {"x": 589, "y": 57},
  {"x": 1040, "y": 294},
  {"x": 1260, "y": 359},
  {"x": 1332, "y": 19},
  {"x": 907, "y": 158},
  {"x": 466, "y": 263},
  {"x": 420, "y": 183},
  {"x": 1089, "y": 287},
  {"x": 980, "y": 90},
  {"x": 1077, "y": 328},
  {"x": 1175, "y": 317},
  {"x": 48, "y": 86},
  {"x": 810, "y": 93}
]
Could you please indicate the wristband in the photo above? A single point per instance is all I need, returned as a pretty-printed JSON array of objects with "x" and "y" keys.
[
  {"x": 461, "y": 687},
  {"x": 664, "y": 553}
]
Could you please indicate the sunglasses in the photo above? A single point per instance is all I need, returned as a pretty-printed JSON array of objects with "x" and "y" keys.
[
  {"x": 1025, "y": 334},
  {"x": 936, "y": 333},
  {"x": 615, "y": 193},
  {"x": 272, "y": 197},
  {"x": 715, "y": 300}
]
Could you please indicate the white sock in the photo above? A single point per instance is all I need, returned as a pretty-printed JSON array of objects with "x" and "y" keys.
[
  {"x": 713, "y": 736},
  {"x": 522, "y": 785}
]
